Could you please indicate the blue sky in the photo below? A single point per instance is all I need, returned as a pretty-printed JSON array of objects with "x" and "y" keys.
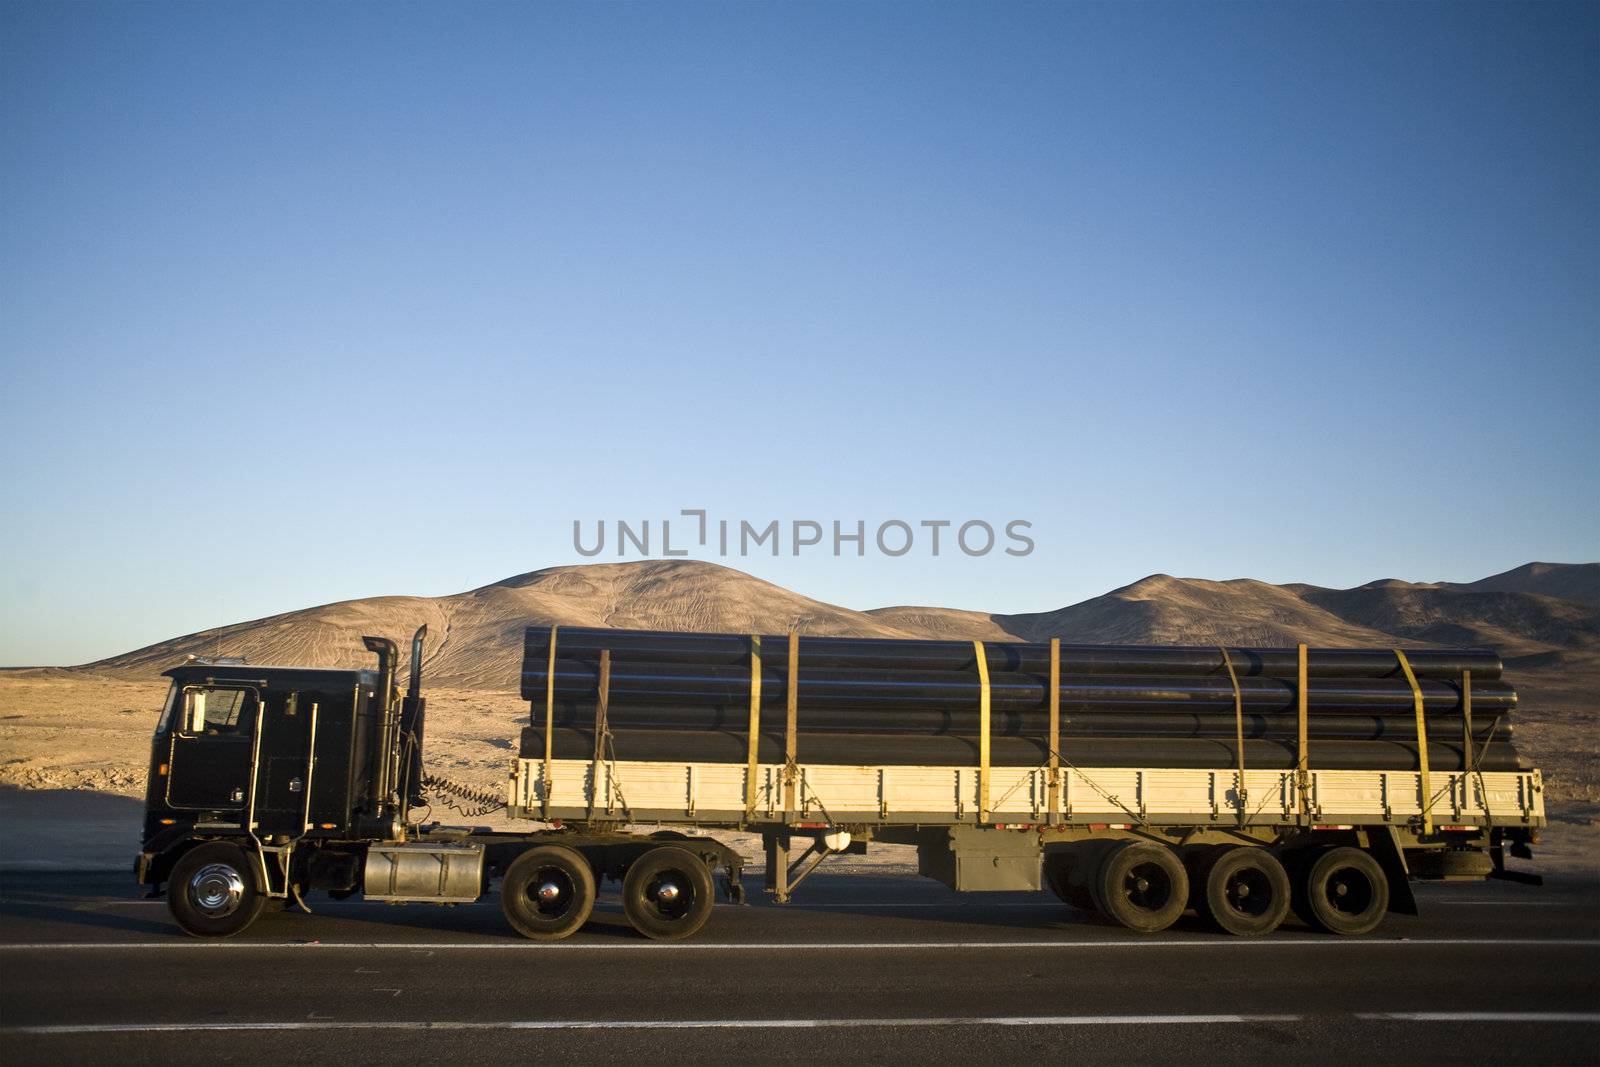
[{"x": 300, "y": 303}]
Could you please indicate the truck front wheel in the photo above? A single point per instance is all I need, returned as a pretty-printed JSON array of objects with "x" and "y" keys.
[
  {"x": 548, "y": 893},
  {"x": 212, "y": 891},
  {"x": 667, "y": 894}
]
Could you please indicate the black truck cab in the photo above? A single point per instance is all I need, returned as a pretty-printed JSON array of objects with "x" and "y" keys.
[
  {"x": 270, "y": 782},
  {"x": 300, "y": 730},
  {"x": 280, "y": 755}
]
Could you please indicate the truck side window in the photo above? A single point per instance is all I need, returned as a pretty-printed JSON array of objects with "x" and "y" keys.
[
  {"x": 166, "y": 709},
  {"x": 215, "y": 712}
]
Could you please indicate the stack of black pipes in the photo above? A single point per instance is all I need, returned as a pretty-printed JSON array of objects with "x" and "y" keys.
[{"x": 877, "y": 701}]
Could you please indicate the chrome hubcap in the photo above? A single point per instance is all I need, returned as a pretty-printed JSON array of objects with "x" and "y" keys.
[
  {"x": 216, "y": 889},
  {"x": 552, "y": 892},
  {"x": 668, "y": 892}
]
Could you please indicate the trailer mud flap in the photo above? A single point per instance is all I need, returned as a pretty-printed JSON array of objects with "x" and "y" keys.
[{"x": 1384, "y": 845}]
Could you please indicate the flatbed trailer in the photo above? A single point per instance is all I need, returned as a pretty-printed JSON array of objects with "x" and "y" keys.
[{"x": 271, "y": 782}]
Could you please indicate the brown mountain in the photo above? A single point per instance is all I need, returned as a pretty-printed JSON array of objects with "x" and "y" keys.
[
  {"x": 1564, "y": 581},
  {"x": 1162, "y": 609},
  {"x": 475, "y": 637}
]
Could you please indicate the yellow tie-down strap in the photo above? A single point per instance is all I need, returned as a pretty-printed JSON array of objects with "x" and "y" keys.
[
  {"x": 755, "y": 727},
  {"x": 1302, "y": 698},
  {"x": 1238, "y": 726},
  {"x": 549, "y": 722},
  {"x": 791, "y": 722},
  {"x": 983, "y": 731},
  {"x": 1422, "y": 741},
  {"x": 601, "y": 728}
]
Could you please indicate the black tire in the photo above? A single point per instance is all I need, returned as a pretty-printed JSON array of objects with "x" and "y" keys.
[
  {"x": 1343, "y": 891},
  {"x": 213, "y": 890},
  {"x": 1466, "y": 864},
  {"x": 1197, "y": 861},
  {"x": 1068, "y": 871},
  {"x": 1245, "y": 891},
  {"x": 1058, "y": 875},
  {"x": 1298, "y": 863},
  {"x": 667, "y": 894},
  {"x": 548, "y": 893},
  {"x": 1142, "y": 886}
]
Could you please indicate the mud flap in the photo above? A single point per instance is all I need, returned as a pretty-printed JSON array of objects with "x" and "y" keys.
[
  {"x": 1384, "y": 844},
  {"x": 1499, "y": 870}
]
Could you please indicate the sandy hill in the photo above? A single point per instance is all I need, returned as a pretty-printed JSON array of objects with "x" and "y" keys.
[
  {"x": 1162, "y": 609},
  {"x": 1564, "y": 581},
  {"x": 475, "y": 637},
  {"x": 1515, "y": 623}
]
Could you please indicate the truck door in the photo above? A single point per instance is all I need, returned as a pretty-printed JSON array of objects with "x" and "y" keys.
[
  {"x": 284, "y": 768},
  {"x": 212, "y": 746}
]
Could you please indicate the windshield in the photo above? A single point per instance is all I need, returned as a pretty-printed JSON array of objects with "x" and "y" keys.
[{"x": 166, "y": 709}]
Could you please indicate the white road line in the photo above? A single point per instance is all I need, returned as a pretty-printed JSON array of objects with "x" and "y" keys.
[
  {"x": 807, "y": 905},
  {"x": 185, "y": 944},
  {"x": 1057, "y": 906},
  {"x": 794, "y": 1024},
  {"x": 802, "y": 906},
  {"x": 665, "y": 1024},
  {"x": 1589, "y": 1017},
  {"x": 1498, "y": 903}
]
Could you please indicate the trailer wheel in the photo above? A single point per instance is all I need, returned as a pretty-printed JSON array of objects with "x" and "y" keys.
[
  {"x": 548, "y": 893},
  {"x": 212, "y": 891},
  {"x": 1343, "y": 891},
  {"x": 1068, "y": 872},
  {"x": 1244, "y": 891},
  {"x": 667, "y": 894},
  {"x": 1142, "y": 886},
  {"x": 1197, "y": 860}
]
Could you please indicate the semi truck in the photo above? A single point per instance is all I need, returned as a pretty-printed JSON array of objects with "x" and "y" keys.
[{"x": 269, "y": 783}]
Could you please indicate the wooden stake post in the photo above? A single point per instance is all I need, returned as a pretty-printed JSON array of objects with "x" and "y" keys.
[
  {"x": 791, "y": 770},
  {"x": 1055, "y": 730}
]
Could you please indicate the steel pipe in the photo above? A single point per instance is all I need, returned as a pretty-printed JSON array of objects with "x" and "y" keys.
[
  {"x": 897, "y": 750},
  {"x": 906, "y": 655},
  {"x": 875, "y": 689},
  {"x": 916, "y": 721}
]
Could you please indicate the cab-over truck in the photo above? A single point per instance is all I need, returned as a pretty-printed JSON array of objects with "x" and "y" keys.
[{"x": 271, "y": 782}]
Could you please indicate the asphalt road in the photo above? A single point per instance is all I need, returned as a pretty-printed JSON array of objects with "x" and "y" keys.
[{"x": 861, "y": 968}]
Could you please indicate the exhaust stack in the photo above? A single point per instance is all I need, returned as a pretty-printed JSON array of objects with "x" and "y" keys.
[{"x": 413, "y": 710}]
